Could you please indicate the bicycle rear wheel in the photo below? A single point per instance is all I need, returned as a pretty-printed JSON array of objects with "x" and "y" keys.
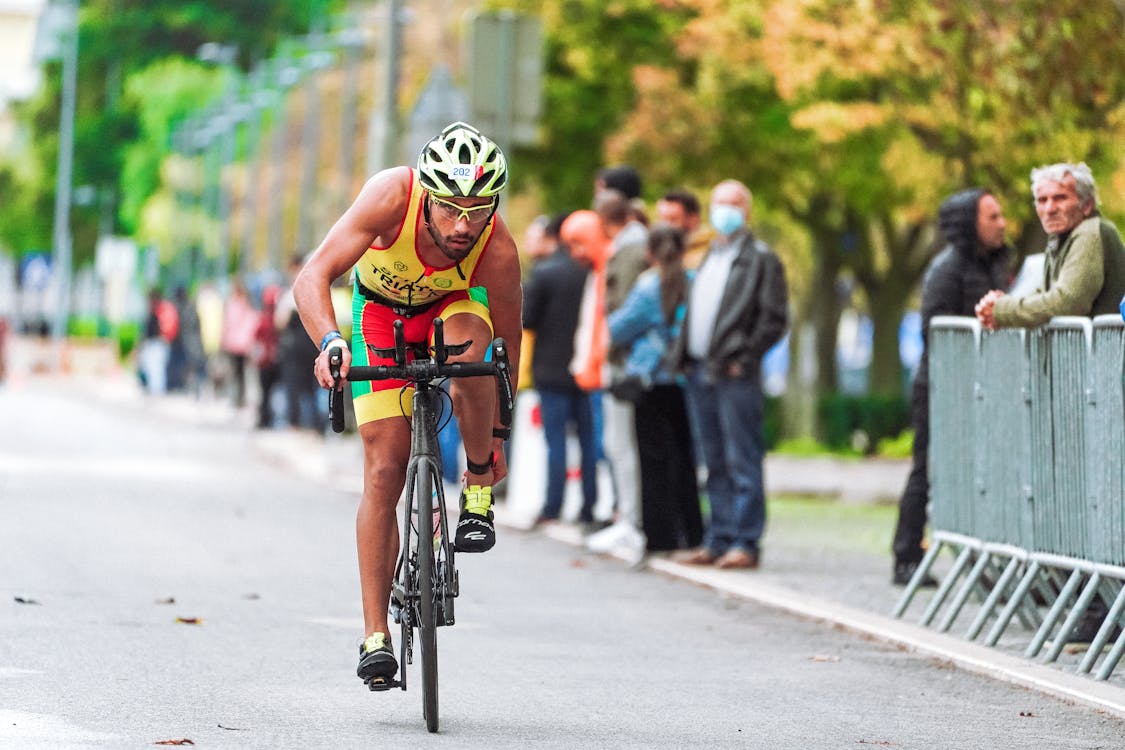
[{"x": 427, "y": 625}]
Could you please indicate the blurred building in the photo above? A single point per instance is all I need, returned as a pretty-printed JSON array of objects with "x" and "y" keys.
[{"x": 18, "y": 73}]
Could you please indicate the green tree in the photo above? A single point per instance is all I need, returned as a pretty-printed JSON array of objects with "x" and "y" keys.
[
  {"x": 119, "y": 39},
  {"x": 591, "y": 49}
]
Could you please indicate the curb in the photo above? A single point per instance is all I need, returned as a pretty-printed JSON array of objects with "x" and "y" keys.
[{"x": 968, "y": 656}]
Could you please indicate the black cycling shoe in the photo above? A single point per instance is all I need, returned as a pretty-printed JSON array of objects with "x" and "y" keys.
[
  {"x": 376, "y": 659},
  {"x": 475, "y": 530}
]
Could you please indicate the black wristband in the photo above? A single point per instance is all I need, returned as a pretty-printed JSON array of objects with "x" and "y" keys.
[{"x": 503, "y": 433}]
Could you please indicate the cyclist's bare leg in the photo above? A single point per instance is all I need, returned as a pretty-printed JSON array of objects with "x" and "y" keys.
[
  {"x": 386, "y": 451},
  {"x": 474, "y": 399}
]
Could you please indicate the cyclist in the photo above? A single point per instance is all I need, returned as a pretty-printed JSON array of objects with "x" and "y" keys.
[{"x": 424, "y": 243}]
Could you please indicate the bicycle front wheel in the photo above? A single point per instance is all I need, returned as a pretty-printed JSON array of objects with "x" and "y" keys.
[{"x": 427, "y": 625}]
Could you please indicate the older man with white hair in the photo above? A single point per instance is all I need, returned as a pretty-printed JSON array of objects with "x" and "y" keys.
[{"x": 1084, "y": 269}]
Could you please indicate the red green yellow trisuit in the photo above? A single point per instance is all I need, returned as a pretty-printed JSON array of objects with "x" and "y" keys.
[{"x": 394, "y": 283}]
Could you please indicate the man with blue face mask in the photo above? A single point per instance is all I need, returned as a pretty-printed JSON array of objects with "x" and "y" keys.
[{"x": 737, "y": 310}]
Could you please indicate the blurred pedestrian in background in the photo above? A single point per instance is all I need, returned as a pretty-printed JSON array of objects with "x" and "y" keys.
[
  {"x": 680, "y": 208},
  {"x": 191, "y": 342},
  {"x": 209, "y": 305},
  {"x": 647, "y": 322},
  {"x": 296, "y": 353},
  {"x": 627, "y": 259},
  {"x": 974, "y": 260},
  {"x": 239, "y": 323},
  {"x": 737, "y": 310},
  {"x": 161, "y": 326},
  {"x": 265, "y": 351},
  {"x": 551, "y": 302}
]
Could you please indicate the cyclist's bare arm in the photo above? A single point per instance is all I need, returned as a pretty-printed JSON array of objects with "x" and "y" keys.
[{"x": 375, "y": 216}]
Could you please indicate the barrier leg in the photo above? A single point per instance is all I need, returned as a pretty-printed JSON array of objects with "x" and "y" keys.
[
  {"x": 967, "y": 588},
  {"x": 1053, "y": 615},
  {"x": 1075, "y": 615},
  {"x": 1100, "y": 639},
  {"x": 993, "y": 599},
  {"x": 912, "y": 587},
  {"x": 1005, "y": 616},
  {"x": 947, "y": 585}
]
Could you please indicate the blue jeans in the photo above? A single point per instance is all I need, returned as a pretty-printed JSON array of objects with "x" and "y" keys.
[
  {"x": 450, "y": 441},
  {"x": 728, "y": 413},
  {"x": 560, "y": 408}
]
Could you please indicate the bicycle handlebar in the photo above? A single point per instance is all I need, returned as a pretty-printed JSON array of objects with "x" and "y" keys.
[{"x": 426, "y": 371}]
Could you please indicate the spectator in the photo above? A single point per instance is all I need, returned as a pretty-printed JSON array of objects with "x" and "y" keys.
[
  {"x": 191, "y": 341},
  {"x": 239, "y": 323},
  {"x": 265, "y": 349},
  {"x": 627, "y": 259},
  {"x": 1083, "y": 274},
  {"x": 736, "y": 311},
  {"x": 161, "y": 327},
  {"x": 1084, "y": 270},
  {"x": 974, "y": 260},
  {"x": 296, "y": 352},
  {"x": 552, "y": 298},
  {"x": 648, "y": 322},
  {"x": 623, "y": 178},
  {"x": 680, "y": 208}
]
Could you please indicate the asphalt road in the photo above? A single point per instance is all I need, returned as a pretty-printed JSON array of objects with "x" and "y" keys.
[{"x": 117, "y": 524}]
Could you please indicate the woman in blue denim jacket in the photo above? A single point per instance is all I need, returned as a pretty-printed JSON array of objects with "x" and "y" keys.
[{"x": 647, "y": 322}]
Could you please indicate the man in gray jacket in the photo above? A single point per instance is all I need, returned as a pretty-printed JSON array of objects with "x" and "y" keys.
[{"x": 737, "y": 310}]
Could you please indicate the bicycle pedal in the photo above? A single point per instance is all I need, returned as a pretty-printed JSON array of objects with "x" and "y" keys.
[{"x": 379, "y": 684}]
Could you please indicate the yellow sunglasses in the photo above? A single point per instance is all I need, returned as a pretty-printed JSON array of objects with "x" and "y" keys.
[{"x": 452, "y": 212}]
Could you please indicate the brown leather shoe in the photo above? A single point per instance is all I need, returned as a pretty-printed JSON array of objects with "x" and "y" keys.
[
  {"x": 700, "y": 556},
  {"x": 737, "y": 558}
]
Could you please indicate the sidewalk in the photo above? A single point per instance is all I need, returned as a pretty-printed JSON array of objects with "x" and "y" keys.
[{"x": 814, "y": 564}]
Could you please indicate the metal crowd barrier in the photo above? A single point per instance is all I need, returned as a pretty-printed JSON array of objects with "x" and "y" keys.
[{"x": 1027, "y": 480}]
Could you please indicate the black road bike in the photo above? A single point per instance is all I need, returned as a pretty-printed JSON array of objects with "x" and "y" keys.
[{"x": 425, "y": 580}]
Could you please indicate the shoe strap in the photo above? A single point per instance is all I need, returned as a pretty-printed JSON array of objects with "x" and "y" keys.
[
  {"x": 376, "y": 641},
  {"x": 478, "y": 499}
]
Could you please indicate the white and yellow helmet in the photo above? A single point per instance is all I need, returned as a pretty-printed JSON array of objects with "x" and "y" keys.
[{"x": 462, "y": 163}]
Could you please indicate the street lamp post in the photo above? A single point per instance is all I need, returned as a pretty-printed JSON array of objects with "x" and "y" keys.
[
  {"x": 314, "y": 62},
  {"x": 63, "y": 24}
]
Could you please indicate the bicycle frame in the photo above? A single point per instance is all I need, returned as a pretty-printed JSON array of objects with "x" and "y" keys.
[{"x": 425, "y": 580}]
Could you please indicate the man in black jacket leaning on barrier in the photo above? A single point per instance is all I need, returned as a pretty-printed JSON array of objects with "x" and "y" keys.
[
  {"x": 737, "y": 309},
  {"x": 974, "y": 261}
]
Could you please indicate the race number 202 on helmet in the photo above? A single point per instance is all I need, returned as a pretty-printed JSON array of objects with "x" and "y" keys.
[{"x": 462, "y": 163}]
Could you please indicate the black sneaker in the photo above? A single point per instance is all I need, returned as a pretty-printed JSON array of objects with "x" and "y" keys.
[
  {"x": 475, "y": 530},
  {"x": 376, "y": 659},
  {"x": 904, "y": 571}
]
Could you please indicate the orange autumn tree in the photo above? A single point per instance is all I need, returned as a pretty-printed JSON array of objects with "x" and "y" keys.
[{"x": 857, "y": 117}]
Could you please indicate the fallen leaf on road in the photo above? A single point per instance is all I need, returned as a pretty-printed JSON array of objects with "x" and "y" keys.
[
  {"x": 169, "y": 600},
  {"x": 184, "y": 741},
  {"x": 578, "y": 563},
  {"x": 189, "y": 620},
  {"x": 824, "y": 657},
  {"x": 21, "y": 600},
  {"x": 232, "y": 729}
]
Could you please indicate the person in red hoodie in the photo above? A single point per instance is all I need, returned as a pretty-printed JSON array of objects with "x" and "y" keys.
[{"x": 265, "y": 350}]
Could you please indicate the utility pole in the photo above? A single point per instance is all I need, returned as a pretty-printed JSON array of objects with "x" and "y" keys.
[
  {"x": 62, "y": 241},
  {"x": 382, "y": 150}
]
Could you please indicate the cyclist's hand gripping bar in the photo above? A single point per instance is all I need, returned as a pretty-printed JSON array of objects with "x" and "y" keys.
[{"x": 336, "y": 395}]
